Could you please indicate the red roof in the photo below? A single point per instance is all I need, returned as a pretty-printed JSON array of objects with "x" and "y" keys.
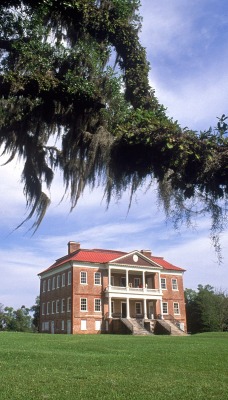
[{"x": 101, "y": 256}]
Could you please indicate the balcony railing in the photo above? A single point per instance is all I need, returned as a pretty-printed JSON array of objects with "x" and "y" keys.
[{"x": 133, "y": 290}]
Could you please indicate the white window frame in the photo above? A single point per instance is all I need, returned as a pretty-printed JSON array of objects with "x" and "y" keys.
[
  {"x": 44, "y": 285},
  {"x": 163, "y": 284},
  {"x": 69, "y": 278},
  {"x": 48, "y": 307},
  {"x": 69, "y": 305},
  {"x": 97, "y": 305},
  {"x": 49, "y": 284},
  {"x": 57, "y": 306},
  {"x": 53, "y": 306},
  {"x": 98, "y": 325},
  {"x": 174, "y": 284},
  {"x": 176, "y": 308},
  {"x": 63, "y": 279},
  {"x": 83, "y": 304},
  {"x": 53, "y": 283},
  {"x": 62, "y": 305},
  {"x": 43, "y": 308},
  {"x": 83, "y": 277},
  {"x": 140, "y": 307},
  {"x": 97, "y": 278},
  {"x": 165, "y": 304},
  {"x": 58, "y": 281},
  {"x": 83, "y": 325},
  {"x": 62, "y": 325}
]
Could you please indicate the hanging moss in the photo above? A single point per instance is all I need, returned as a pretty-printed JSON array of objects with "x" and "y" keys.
[{"x": 57, "y": 82}]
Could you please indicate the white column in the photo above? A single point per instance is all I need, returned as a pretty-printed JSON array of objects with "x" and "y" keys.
[
  {"x": 145, "y": 311},
  {"x": 109, "y": 276},
  {"x": 144, "y": 283},
  {"x": 127, "y": 279},
  {"x": 110, "y": 307},
  {"x": 128, "y": 308}
]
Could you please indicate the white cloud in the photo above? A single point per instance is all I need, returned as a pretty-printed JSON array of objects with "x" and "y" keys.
[{"x": 185, "y": 42}]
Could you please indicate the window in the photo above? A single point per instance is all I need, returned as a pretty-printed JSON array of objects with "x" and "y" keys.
[
  {"x": 136, "y": 282},
  {"x": 83, "y": 304},
  {"x": 62, "y": 325},
  {"x": 45, "y": 326},
  {"x": 53, "y": 307},
  {"x": 49, "y": 284},
  {"x": 165, "y": 308},
  {"x": 48, "y": 307},
  {"x": 83, "y": 279},
  {"x": 97, "y": 325},
  {"x": 44, "y": 286},
  {"x": 62, "y": 305},
  {"x": 97, "y": 305},
  {"x": 138, "y": 308},
  {"x": 69, "y": 278},
  {"x": 63, "y": 280},
  {"x": 176, "y": 308},
  {"x": 43, "y": 309},
  {"x": 97, "y": 278},
  {"x": 58, "y": 281},
  {"x": 174, "y": 284},
  {"x": 83, "y": 325},
  {"x": 57, "y": 306},
  {"x": 53, "y": 283},
  {"x": 163, "y": 283},
  {"x": 112, "y": 281},
  {"x": 69, "y": 304}
]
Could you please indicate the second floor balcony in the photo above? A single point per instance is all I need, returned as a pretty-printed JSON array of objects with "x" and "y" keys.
[{"x": 130, "y": 290}]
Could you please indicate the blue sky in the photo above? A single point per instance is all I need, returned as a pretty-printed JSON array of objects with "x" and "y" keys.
[{"x": 186, "y": 43}]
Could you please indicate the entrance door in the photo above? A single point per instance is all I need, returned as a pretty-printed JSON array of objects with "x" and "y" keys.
[
  {"x": 123, "y": 310},
  {"x": 151, "y": 310}
]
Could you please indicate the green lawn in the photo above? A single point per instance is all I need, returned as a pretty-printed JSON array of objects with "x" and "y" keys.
[{"x": 37, "y": 366}]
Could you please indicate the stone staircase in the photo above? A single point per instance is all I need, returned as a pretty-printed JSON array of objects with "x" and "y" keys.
[
  {"x": 174, "y": 330},
  {"x": 136, "y": 327}
]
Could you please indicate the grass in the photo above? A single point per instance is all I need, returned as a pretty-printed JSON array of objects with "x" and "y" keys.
[{"x": 38, "y": 366}]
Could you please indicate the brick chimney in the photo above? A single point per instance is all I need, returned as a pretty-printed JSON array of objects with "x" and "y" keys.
[
  {"x": 73, "y": 246},
  {"x": 146, "y": 253}
]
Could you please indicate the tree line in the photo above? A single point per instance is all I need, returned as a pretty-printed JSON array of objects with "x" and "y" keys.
[
  {"x": 206, "y": 309},
  {"x": 23, "y": 319}
]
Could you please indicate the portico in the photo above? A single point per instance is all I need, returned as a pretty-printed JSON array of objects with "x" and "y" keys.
[{"x": 134, "y": 292}]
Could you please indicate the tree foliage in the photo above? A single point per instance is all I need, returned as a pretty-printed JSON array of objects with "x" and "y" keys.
[
  {"x": 206, "y": 309},
  {"x": 15, "y": 320},
  {"x": 23, "y": 319},
  {"x": 64, "y": 106}
]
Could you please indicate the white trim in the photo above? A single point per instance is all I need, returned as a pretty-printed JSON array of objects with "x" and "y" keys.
[
  {"x": 85, "y": 277},
  {"x": 178, "y": 306},
  {"x": 165, "y": 313},
  {"x": 174, "y": 279},
  {"x": 83, "y": 298},
  {"x": 97, "y": 284},
  {"x": 95, "y": 305},
  {"x": 140, "y": 303}
]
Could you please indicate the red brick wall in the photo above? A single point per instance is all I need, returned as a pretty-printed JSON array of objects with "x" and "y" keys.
[
  {"x": 53, "y": 295},
  {"x": 171, "y": 296}
]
